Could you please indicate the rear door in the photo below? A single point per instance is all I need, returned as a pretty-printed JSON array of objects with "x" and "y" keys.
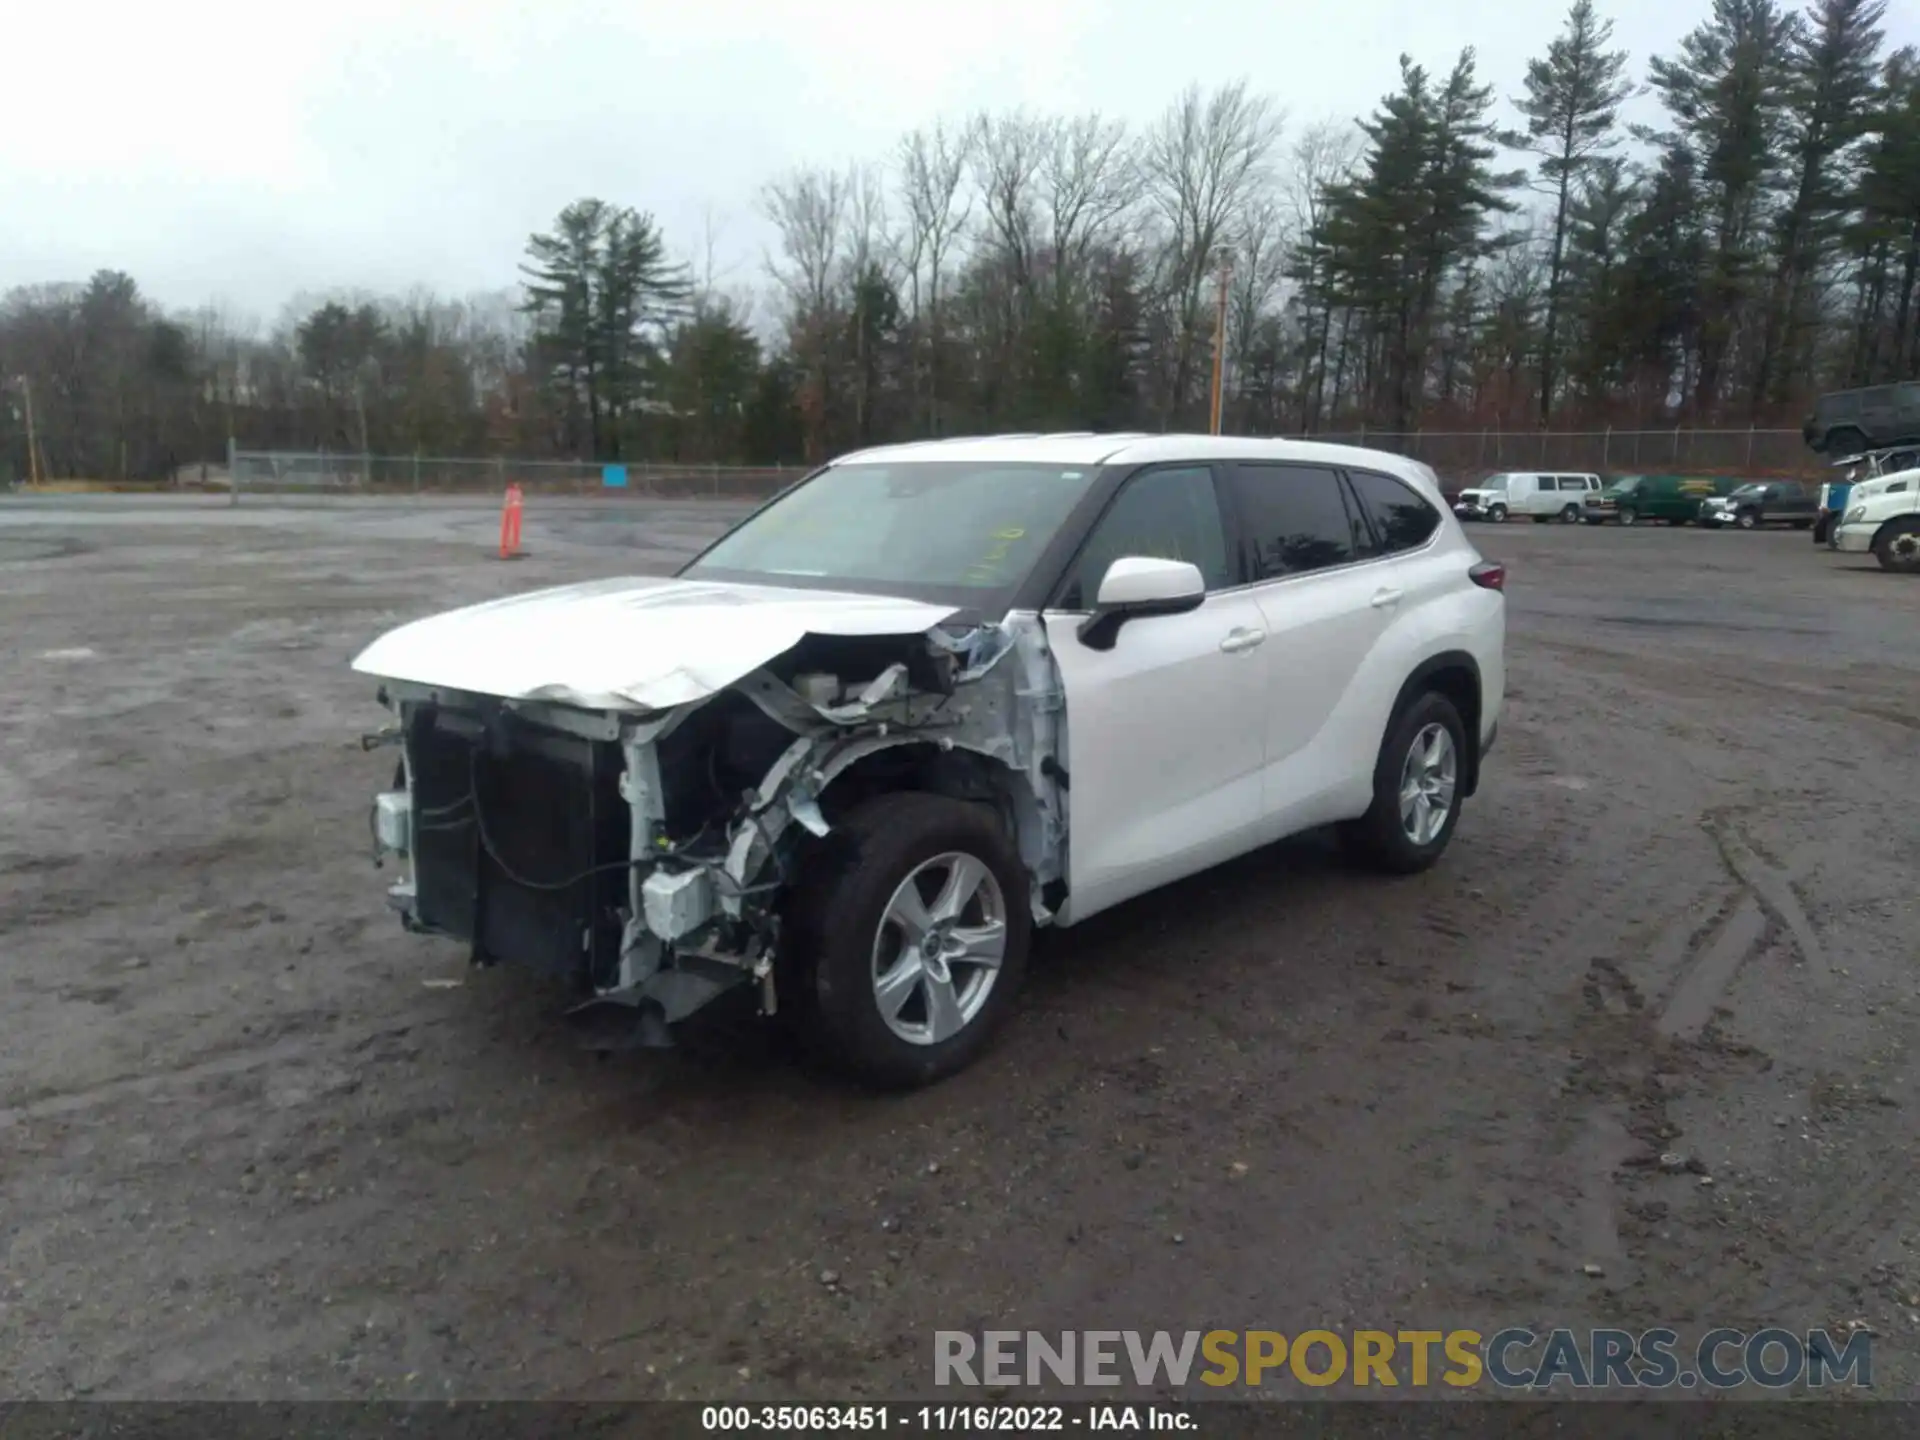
[{"x": 1327, "y": 596}]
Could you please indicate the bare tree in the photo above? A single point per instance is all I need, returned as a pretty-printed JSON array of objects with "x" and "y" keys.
[
  {"x": 1259, "y": 272},
  {"x": 1325, "y": 156},
  {"x": 808, "y": 207},
  {"x": 933, "y": 168},
  {"x": 1007, "y": 153},
  {"x": 868, "y": 244},
  {"x": 1088, "y": 175},
  {"x": 1201, "y": 162}
]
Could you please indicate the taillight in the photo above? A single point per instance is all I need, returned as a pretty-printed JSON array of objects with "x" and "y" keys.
[{"x": 1488, "y": 576}]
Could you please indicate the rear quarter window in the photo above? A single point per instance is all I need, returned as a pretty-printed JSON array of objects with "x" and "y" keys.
[{"x": 1401, "y": 517}]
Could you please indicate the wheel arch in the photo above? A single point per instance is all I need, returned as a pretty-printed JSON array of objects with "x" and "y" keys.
[
  {"x": 1455, "y": 674},
  {"x": 956, "y": 771}
]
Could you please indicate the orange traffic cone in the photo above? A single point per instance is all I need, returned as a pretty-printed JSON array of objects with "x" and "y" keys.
[{"x": 510, "y": 524}]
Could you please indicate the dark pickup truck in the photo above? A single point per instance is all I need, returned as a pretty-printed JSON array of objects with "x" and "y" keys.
[{"x": 1763, "y": 502}]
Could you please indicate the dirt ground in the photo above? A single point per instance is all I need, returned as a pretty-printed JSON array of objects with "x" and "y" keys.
[{"x": 257, "y": 1142}]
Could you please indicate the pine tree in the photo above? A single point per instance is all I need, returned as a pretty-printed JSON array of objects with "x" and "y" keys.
[
  {"x": 1726, "y": 93},
  {"x": 1833, "y": 68},
  {"x": 1572, "y": 109}
]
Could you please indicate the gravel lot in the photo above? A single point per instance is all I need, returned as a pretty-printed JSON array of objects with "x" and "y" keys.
[{"x": 256, "y": 1142}]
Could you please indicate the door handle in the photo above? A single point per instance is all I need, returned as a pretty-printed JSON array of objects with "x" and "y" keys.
[
  {"x": 1240, "y": 638},
  {"x": 1385, "y": 599}
]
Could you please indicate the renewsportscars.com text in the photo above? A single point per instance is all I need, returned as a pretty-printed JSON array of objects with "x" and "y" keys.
[{"x": 1510, "y": 1359}]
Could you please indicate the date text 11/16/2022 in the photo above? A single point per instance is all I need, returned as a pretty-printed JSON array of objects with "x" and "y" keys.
[{"x": 935, "y": 1419}]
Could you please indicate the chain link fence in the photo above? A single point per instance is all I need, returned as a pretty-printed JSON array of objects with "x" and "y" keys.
[
  {"x": 1458, "y": 455},
  {"x": 1469, "y": 454},
  {"x": 287, "y": 472}
]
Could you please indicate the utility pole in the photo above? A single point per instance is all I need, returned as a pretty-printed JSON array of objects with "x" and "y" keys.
[
  {"x": 1220, "y": 342},
  {"x": 33, "y": 443}
]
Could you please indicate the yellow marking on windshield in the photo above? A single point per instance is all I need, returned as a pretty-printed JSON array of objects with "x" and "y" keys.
[{"x": 989, "y": 565}]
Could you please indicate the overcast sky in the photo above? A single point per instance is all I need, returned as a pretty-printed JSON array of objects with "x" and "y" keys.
[{"x": 243, "y": 151}]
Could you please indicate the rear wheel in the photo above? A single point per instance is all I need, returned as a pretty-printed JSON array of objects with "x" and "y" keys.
[
  {"x": 907, "y": 939},
  {"x": 1417, "y": 789},
  {"x": 1897, "y": 547},
  {"x": 1569, "y": 514}
]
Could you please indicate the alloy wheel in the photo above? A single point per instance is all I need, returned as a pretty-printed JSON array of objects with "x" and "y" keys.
[{"x": 938, "y": 948}]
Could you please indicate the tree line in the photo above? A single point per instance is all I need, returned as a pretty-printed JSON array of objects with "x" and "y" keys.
[{"x": 1456, "y": 259}]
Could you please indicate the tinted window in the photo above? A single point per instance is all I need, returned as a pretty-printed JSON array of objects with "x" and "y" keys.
[
  {"x": 1296, "y": 519},
  {"x": 1402, "y": 519},
  {"x": 1836, "y": 406},
  {"x": 1165, "y": 514}
]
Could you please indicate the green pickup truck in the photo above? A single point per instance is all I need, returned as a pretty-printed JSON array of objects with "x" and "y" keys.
[{"x": 1672, "y": 498}]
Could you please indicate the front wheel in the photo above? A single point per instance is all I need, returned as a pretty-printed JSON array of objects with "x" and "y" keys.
[
  {"x": 1417, "y": 789},
  {"x": 1820, "y": 528},
  {"x": 1497, "y": 514},
  {"x": 1628, "y": 515},
  {"x": 907, "y": 939},
  {"x": 1897, "y": 548},
  {"x": 1746, "y": 520}
]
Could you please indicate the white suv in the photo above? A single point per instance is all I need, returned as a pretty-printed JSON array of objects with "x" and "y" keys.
[{"x": 925, "y": 700}]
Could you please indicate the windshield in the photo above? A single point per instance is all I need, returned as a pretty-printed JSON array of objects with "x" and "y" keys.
[
  {"x": 1632, "y": 482},
  {"x": 1749, "y": 492},
  {"x": 936, "y": 529},
  {"x": 1493, "y": 482}
]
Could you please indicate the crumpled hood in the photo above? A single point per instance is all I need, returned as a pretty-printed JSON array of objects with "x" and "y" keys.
[{"x": 642, "y": 643}]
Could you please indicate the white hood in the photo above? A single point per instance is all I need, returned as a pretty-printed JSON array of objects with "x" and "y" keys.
[{"x": 646, "y": 643}]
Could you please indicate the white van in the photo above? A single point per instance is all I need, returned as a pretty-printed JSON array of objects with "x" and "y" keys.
[{"x": 1543, "y": 496}]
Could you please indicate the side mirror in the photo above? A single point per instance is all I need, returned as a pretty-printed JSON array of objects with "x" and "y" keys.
[{"x": 1136, "y": 586}]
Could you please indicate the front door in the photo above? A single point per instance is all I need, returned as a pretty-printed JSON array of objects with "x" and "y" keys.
[{"x": 1163, "y": 730}]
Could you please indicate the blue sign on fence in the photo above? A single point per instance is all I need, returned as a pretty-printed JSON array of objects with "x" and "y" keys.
[{"x": 613, "y": 477}]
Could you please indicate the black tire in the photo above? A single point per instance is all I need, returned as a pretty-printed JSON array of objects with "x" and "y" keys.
[
  {"x": 1846, "y": 441},
  {"x": 1379, "y": 839},
  {"x": 1897, "y": 546},
  {"x": 1628, "y": 515},
  {"x": 1820, "y": 528},
  {"x": 1569, "y": 514},
  {"x": 834, "y": 919},
  {"x": 1746, "y": 520},
  {"x": 1497, "y": 514}
]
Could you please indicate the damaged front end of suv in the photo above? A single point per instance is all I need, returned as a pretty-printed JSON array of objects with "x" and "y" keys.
[{"x": 643, "y": 836}]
